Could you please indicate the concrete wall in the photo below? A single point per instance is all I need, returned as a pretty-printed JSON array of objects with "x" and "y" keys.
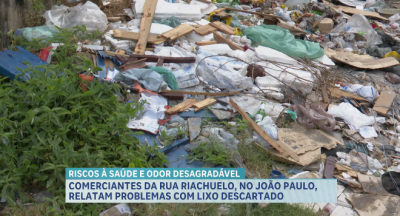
[{"x": 12, "y": 13}]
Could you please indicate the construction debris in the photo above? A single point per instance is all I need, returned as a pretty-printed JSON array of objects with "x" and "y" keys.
[{"x": 265, "y": 69}]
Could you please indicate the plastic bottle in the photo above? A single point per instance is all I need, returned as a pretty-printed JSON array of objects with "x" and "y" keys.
[{"x": 261, "y": 113}]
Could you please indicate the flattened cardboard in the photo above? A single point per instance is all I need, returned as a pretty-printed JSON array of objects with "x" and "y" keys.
[
  {"x": 360, "y": 61},
  {"x": 384, "y": 102},
  {"x": 304, "y": 140},
  {"x": 375, "y": 205},
  {"x": 372, "y": 184},
  {"x": 304, "y": 159}
]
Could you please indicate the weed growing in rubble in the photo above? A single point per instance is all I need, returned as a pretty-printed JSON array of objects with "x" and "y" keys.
[
  {"x": 48, "y": 123},
  {"x": 211, "y": 152},
  {"x": 169, "y": 139},
  {"x": 34, "y": 16}
]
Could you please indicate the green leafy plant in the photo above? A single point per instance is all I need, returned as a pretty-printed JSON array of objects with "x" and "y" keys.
[
  {"x": 34, "y": 15},
  {"x": 211, "y": 152},
  {"x": 169, "y": 139},
  {"x": 48, "y": 123}
]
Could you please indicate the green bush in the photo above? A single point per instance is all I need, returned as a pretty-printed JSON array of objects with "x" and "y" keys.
[{"x": 49, "y": 123}]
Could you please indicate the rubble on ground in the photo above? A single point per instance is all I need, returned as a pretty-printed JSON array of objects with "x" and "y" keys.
[{"x": 316, "y": 81}]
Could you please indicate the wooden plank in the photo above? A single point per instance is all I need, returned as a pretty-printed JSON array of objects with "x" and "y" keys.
[
  {"x": 204, "y": 103},
  {"x": 178, "y": 32},
  {"x": 325, "y": 96},
  {"x": 384, "y": 102},
  {"x": 202, "y": 93},
  {"x": 221, "y": 39},
  {"x": 179, "y": 106},
  {"x": 338, "y": 93},
  {"x": 148, "y": 13},
  {"x": 223, "y": 27},
  {"x": 204, "y": 43},
  {"x": 135, "y": 36},
  {"x": 280, "y": 146},
  {"x": 205, "y": 30},
  {"x": 187, "y": 106},
  {"x": 217, "y": 11}
]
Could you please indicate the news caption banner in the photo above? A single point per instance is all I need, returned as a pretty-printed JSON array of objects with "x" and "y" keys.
[{"x": 179, "y": 185}]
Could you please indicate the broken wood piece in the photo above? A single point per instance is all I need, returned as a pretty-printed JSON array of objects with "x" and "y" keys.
[
  {"x": 152, "y": 58},
  {"x": 113, "y": 19},
  {"x": 304, "y": 159},
  {"x": 360, "y": 61},
  {"x": 255, "y": 13},
  {"x": 217, "y": 11},
  {"x": 204, "y": 43},
  {"x": 135, "y": 64},
  {"x": 153, "y": 39},
  {"x": 280, "y": 146},
  {"x": 338, "y": 93},
  {"x": 384, "y": 102},
  {"x": 187, "y": 106},
  {"x": 325, "y": 96},
  {"x": 223, "y": 15},
  {"x": 205, "y": 30},
  {"x": 223, "y": 27},
  {"x": 145, "y": 24},
  {"x": 176, "y": 108},
  {"x": 202, "y": 93},
  {"x": 204, "y": 103},
  {"x": 221, "y": 39},
  {"x": 177, "y": 32}
]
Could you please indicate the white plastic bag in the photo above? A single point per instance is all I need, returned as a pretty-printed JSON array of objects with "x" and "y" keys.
[
  {"x": 368, "y": 92},
  {"x": 351, "y": 115},
  {"x": 65, "y": 17}
]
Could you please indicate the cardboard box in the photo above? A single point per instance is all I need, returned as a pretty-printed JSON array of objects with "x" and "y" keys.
[{"x": 325, "y": 26}]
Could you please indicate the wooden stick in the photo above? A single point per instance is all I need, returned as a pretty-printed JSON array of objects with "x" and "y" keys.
[
  {"x": 278, "y": 145},
  {"x": 204, "y": 43},
  {"x": 176, "y": 108},
  {"x": 204, "y": 103},
  {"x": 148, "y": 13},
  {"x": 202, "y": 93}
]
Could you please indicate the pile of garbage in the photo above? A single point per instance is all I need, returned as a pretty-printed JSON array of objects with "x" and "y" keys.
[{"x": 271, "y": 64}]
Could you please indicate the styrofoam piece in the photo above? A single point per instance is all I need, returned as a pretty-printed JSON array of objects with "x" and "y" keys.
[
  {"x": 119, "y": 44},
  {"x": 202, "y": 22},
  {"x": 188, "y": 83},
  {"x": 194, "y": 37},
  {"x": 325, "y": 60},
  {"x": 184, "y": 74},
  {"x": 274, "y": 55},
  {"x": 155, "y": 29},
  {"x": 217, "y": 49},
  {"x": 204, "y": 7},
  {"x": 268, "y": 81},
  {"x": 270, "y": 92},
  {"x": 166, "y": 10}
]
